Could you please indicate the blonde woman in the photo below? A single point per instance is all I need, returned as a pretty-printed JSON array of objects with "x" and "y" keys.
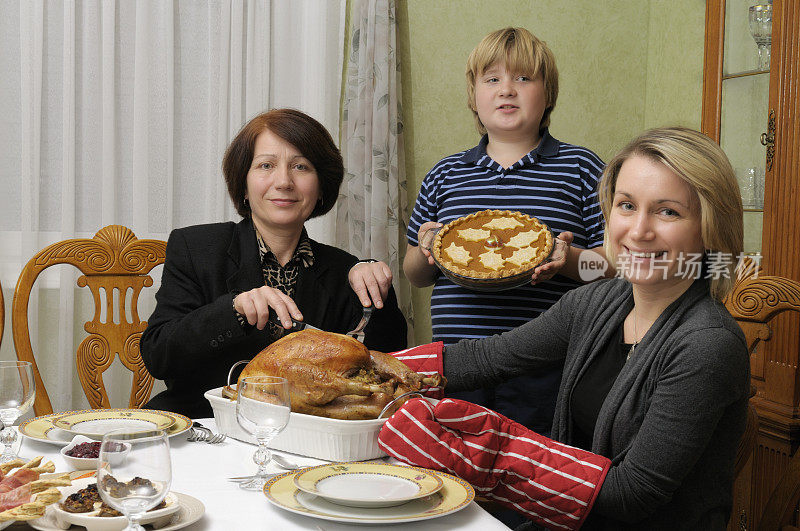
[{"x": 653, "y": 399}]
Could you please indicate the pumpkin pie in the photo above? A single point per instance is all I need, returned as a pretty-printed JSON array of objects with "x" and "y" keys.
[{"x": 492, "y": 245}]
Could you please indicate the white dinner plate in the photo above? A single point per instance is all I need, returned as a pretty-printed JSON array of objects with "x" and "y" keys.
[
  {"x": 368, "y": 484},
  {"x": 42, "y": 428},
  {"x": 453, "y": 496},
  {"x": 97, "y": 422}
]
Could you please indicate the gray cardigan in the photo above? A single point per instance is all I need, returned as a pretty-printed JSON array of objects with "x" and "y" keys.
[{"x": 672, "y": 420}]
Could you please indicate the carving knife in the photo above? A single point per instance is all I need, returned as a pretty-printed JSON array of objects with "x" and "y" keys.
[{"x": 296, "y": 325}]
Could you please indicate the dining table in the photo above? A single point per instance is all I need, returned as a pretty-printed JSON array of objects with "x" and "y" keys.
[{"x": 201, "y": 470}]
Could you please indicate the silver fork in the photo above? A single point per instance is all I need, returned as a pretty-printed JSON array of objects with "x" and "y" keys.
[
  {"x": 216, "y": 439},
  {"x": 197, "y": 436},
  {"x": 208, "y": 436},
  {"x": 358, "y": 331}
]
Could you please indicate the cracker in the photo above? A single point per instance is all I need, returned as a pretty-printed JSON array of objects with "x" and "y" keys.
[{"x": 33, "y": 509}]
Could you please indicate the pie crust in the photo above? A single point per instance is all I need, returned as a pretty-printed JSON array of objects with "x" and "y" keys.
[{"x": 492, "y": 245}]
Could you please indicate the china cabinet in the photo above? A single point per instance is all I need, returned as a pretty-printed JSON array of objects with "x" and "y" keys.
[{"x": 752, "y": 111}]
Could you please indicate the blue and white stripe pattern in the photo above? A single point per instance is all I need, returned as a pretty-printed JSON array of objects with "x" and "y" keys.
[{"x": 556, "y": 182}]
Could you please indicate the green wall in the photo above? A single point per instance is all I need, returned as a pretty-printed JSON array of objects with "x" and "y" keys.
[{"x": 624, "y": 65}]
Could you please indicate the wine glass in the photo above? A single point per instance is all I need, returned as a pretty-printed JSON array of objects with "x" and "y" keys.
[
  {"x": 262, "y": 409},
  {"x": 134, "y": 472},
  {"x": 17, "y": 391},
  {"x": 761, "y": 30}
]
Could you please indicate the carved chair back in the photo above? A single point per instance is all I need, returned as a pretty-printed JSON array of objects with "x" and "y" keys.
[
  {"x": 114, "y": 263},
  {"x": 754, "y": 301}
]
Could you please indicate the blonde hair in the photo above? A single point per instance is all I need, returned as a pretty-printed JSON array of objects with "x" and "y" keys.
[
  {"x": 701, "y": 163},
  {"x": 522, "y": 53}
]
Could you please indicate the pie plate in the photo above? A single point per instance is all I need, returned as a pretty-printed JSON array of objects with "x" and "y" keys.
[
  {"x": 491, "y": 284},
  {"x": 454, "y": 495},
  {"x": 367, "y": 484},
  {"x": 97, "y": 422},
  {"x": 43, "y": 429}
]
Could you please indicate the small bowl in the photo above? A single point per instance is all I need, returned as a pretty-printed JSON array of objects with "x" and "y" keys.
[
  {"x": 86, "y": 463},
  {"x": 79, "y": 463}
]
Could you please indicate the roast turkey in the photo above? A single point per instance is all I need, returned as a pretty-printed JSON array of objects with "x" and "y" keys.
[{"x": 333, "y": 375}]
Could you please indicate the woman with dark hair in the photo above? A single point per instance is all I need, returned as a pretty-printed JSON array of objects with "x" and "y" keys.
[{"x": 230, "y": 289}]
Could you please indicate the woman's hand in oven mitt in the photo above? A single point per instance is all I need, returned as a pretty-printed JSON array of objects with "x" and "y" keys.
[
  {"x": 549, "y": 482},
  {"x": 424, "y": 359}
]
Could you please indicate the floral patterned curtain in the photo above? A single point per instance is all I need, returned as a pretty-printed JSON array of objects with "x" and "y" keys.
[{"x": 371, "y": 215}]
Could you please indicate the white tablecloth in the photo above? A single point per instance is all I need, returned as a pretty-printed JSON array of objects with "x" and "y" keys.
[{"x": 201, "y": 469}]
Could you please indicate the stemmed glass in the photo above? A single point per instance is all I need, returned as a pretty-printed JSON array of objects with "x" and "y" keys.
[
  {"x": 761, "y": 30},
  {"x": 17, "y": 391},
  {"x": 134, "y": 472},
  {"x": 262, "y": 409}
]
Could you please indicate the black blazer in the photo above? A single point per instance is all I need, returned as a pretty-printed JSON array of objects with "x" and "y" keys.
[{"x": 193, "y": 336}]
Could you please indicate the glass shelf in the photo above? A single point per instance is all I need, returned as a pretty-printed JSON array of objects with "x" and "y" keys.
[
  {"x": 740, "y": 50},
  {"x": 745, "y": 74}
]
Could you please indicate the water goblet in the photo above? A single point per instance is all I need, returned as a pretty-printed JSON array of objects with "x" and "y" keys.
[
  {"x": 761, "y": 30},
  {"x": 262, "y": 409},
  {"x": 134, "y": 472},
  {"x": 17, "y": 391}
]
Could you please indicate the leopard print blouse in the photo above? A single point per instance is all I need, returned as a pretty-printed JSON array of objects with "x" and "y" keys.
[{"x": 283, "y": 278}]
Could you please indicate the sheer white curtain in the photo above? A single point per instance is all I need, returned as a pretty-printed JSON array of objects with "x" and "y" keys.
[
  {"x": 118, "y": 112},
  {"x": 371, "y": 213}
]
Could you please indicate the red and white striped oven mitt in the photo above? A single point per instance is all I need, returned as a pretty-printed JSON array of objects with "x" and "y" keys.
[
  {"x": 424, "y": 359},
  {"x": 549, "y": 482}
]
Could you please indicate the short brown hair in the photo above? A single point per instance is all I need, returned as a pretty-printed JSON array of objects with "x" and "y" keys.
[
  {"x": 522, "y": 53},
  {"x": 702, "y": 164},
  {"x": 303, "y": 132}
]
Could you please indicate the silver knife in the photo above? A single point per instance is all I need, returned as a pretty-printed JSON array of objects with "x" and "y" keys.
[{"x": 296, "y": 325}]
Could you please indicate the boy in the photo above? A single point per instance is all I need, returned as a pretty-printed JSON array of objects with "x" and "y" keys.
[{"x": 512, "y": 87}]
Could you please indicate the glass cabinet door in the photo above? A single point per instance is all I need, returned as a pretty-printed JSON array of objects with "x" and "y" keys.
[
  {"x": 744, "y": 110},
  {"x": 743, "y": 106}
]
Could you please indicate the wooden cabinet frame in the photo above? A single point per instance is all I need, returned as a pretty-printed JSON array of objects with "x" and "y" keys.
[{"x": 775, "y": 372}]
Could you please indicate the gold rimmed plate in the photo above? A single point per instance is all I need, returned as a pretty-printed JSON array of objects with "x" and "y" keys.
[
  {"x": 454, "y": 495},
  {"x": 97, "y": 422},
  {"x": 44, "y": 430},
  {"x": 367, "y": 484}
]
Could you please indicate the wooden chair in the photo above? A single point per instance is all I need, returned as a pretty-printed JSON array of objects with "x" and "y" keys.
[
  {"x": 756, "y": 299},
  {"x": 112, "y": 262},
  {"x": 782, "y": 502},
  {"x": 747, "y": 444}
]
